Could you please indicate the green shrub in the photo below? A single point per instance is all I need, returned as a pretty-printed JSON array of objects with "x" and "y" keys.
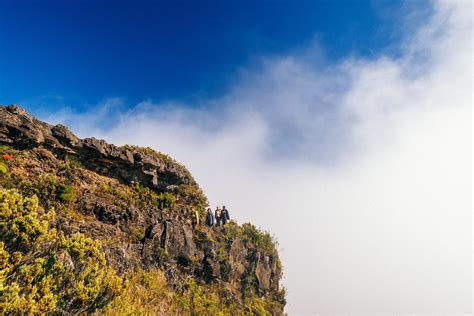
[
  {"x": 91, "y": 284},
  {"x": 3, "y": 167},
  {"x": 45, "y": 187},
  {"x": 70, "y": 168},
  {"x": 122, "y": 196},
  {"x": 137, "y": 233},
  {"x": 42, "y": 271},
  {"x": 146, "y": 293},
  {"x": 249, "y": 280},
  {"x": 20, "y": 225},
  {"x": 232, "y": 231},
  {"x": 3, "y": 161},
  {"x": 143, "y": 196},
  {"x": 261, "y": 239},
  {"x": 192, "y": 194},
  {"x": 161, "y": 255},
  {"x": 66, "y": 193},
  {"x": 49, "y": 188},
  {"x": 258, "y": 306},
  {"x": 74, "y": 162},
  {"x": 165, "y": 199}
]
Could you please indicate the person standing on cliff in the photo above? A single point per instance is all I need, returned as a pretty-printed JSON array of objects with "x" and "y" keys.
[
  {"x": 209, "y": 217},
  {"x": 224, "y": 215},
  {"x": 196, "y": 218},
  {"x": 218, "y": 216}
]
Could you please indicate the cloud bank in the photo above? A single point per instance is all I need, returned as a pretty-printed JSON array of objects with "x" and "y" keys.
[{"x": 361, "y": 169}]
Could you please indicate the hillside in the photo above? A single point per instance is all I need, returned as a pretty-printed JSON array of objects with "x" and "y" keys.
[{"x": 89, "y": 227}]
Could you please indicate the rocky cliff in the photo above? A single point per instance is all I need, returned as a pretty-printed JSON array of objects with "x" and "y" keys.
[{"x": 145, "y": 210}]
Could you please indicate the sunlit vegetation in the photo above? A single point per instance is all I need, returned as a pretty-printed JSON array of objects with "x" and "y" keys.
[
  {"x": 148, "y": 293},
  {"x": 41, "y": 270},
  {"x": 144, "y": 196},
  {"x": 4, "y": 159},
  {"x": 49, "y": 189},
  {"x": 47, "y": 270},
  {"x": 150, "y": 152}
]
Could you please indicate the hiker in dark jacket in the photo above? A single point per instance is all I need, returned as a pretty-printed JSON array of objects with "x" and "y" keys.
[
  {"x": 209, "y": 218},
  {"x": 224, "y": 215},
  {"x": 218, "y": 216}
]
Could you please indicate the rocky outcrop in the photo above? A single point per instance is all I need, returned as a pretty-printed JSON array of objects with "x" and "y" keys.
[
  {"x": 21, "y": 130},
  {"x": 237, "y": 260}
]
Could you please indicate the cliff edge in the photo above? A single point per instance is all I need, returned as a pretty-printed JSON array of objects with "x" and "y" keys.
[{"x": 90, "y": 227}]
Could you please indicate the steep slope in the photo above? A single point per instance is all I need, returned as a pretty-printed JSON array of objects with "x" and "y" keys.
[{"x": 125, "y": 236}]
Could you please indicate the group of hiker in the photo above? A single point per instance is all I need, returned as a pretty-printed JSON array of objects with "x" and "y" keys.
[{"x": 218, "y": 218}]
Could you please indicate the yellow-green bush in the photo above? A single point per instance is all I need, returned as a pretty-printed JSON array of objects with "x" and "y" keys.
[
  {"x": 49, "y": 189},
  {"x": 42, "y": 271},
  {"x": 137, "y": 233},
  {"x": 146, "y": 293},
  {"x": 143, "y": 196},
  {"x": 193, "y": 195},
  {"x": 66, "y": 193},
  {"x": 165, "y": 199},
  {"x": 20, "y": 224},
  {"x": 3, "y": 162},
  {"x": 262, "y": 240},
  {"x": 3, "y": 167}
]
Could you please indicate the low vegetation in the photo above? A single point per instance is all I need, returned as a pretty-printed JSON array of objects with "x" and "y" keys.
[
  {"x": 148, "y": 293},
  {"x": 42, "y": 270}
]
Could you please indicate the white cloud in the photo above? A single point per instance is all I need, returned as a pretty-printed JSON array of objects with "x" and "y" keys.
[{"x": 362, "y": 169}]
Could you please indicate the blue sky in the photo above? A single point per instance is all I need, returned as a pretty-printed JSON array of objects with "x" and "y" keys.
[{"x": 80, "y": 52}]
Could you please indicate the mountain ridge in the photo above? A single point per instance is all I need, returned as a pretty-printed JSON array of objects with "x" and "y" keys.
[{"x": 146, "y": 211}]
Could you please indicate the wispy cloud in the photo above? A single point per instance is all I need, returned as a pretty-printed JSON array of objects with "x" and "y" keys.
[{"x": 361, "y": 169}]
